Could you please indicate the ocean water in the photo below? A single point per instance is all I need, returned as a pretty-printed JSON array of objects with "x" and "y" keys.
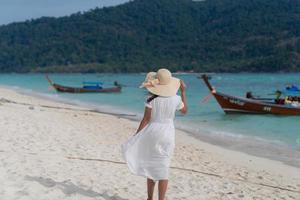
[{"x": 204, "y": 119}]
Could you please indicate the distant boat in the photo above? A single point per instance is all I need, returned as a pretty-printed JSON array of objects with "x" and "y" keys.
[
  {"x": 291, "y": 90},
  {"x": 88, "y": 87},
  {"x": 233, "y": 104}
]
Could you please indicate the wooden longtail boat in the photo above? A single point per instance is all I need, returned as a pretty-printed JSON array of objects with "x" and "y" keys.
[
  {"x": 233, "y": 104},
  {"x": 61, "y": 88}
]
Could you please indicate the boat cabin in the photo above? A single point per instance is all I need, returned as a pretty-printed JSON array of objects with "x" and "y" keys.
[{"x": 92, "y": 85}]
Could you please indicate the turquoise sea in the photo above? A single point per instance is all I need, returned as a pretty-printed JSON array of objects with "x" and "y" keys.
[{"x": 252, "y": 133}]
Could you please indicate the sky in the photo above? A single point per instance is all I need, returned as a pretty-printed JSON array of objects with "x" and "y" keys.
[{"x": 21, "y": 10}]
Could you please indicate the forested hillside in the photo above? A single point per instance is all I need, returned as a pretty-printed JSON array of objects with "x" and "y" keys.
[{"x": 183, "y": 35}]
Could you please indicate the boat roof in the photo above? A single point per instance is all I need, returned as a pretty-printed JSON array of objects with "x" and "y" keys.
[
  {"x": 291, "y": 93},
  {"x": 92, "y": 83}
]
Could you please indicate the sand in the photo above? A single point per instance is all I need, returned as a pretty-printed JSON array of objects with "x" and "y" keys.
[{"x": 51, "y": 150}]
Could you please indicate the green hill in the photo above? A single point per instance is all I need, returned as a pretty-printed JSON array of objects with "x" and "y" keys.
[{"x": 211, "y": 35}]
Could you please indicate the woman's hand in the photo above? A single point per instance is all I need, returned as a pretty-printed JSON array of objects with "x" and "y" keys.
[
  {"x": 183, "y": 97},
  {"x": 182, "y": 86}
]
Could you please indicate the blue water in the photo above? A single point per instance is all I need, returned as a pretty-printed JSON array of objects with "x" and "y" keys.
[{"x": 206, "y": 118}]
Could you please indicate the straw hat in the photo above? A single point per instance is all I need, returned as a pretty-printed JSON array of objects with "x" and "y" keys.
[
  {"x": 151, "y": 76},
  {"x": 161, "y": 83}
]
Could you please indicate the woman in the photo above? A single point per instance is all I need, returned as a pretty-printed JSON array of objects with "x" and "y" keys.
[{"x": 149, "y": 151}]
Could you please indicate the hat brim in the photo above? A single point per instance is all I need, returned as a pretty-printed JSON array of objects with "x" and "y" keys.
[{"x": 167, "y": 90}]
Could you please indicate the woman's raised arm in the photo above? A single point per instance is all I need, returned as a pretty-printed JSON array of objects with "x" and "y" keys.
[{"x": 183, "y": 97}]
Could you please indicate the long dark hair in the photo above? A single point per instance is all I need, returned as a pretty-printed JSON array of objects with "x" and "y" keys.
[{"x": 153, "y": 96}]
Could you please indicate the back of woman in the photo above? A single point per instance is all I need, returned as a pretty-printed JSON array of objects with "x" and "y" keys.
[
  {"x": 164, "y": 108},
  {"x": 149, "y": 151}
]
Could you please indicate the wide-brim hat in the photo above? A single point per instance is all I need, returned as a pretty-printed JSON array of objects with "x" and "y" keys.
[
  {"x": 150, "y": 76},
  {"x": 161, "y": 83}
]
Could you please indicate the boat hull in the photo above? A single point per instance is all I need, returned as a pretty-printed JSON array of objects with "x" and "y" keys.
[
  {"x": 231, "y": 104},
  {"x": 61, "y": 88}
]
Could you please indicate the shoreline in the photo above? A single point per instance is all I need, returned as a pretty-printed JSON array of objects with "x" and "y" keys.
[
  {"x": 63, "y": 151},
  {"x": 244, "y": 144},
  {"x": 227, "y": 144},
  {"x": 251, "y": 146}
]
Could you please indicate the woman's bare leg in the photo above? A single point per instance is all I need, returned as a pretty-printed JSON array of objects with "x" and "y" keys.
[
  {"x": 150, "y": 188},
  {"x": 162, "y": 189}
]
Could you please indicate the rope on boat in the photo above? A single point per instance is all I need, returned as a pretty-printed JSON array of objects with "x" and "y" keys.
[
  {"x": 206, "y": 98},
  {"x": 193, "y": 171}
]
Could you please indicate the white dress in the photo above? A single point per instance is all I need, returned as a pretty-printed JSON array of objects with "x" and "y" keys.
[{"x": 148, "y": 153}]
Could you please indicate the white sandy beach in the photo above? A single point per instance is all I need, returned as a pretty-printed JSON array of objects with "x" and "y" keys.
[{"x": 56, "y": 151}]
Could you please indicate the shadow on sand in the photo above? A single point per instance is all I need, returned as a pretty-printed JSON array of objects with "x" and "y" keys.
[{"x": 69, "y": 188}]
